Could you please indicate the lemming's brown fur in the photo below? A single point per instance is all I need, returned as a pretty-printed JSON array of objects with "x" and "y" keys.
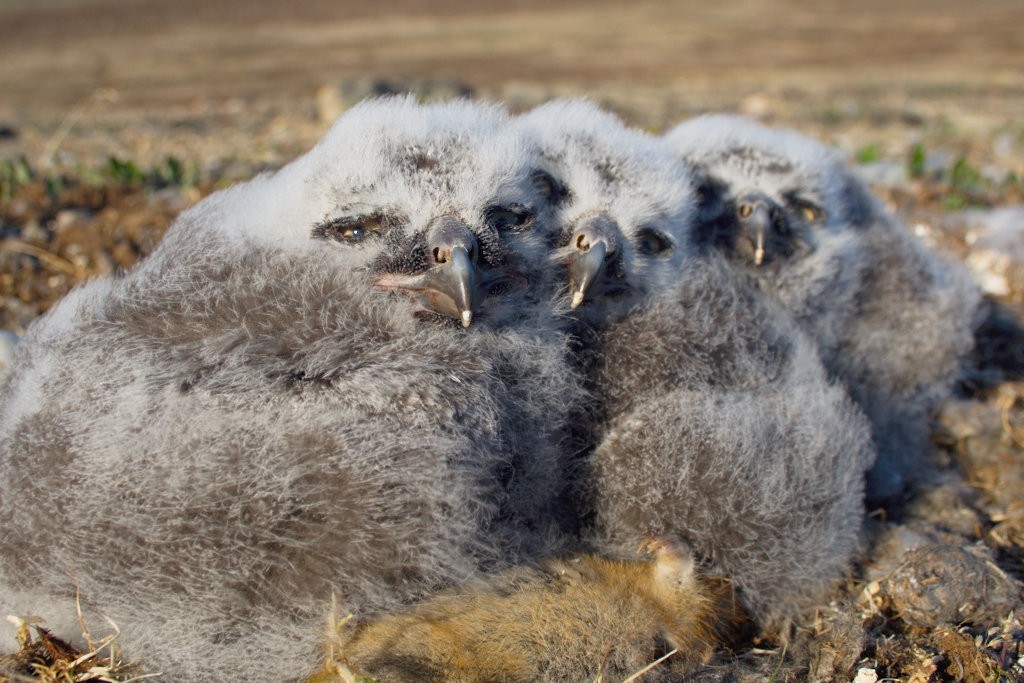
[{"x": 566, "y": 619}]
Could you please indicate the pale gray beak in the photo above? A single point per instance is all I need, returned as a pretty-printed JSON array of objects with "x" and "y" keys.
[
  {"x": 451, "y": 284},
  {"x": 594, "y": 243},
  {"x": 755, "y": 211}
]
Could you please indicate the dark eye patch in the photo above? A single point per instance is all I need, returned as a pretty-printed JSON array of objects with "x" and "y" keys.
[
  {"x": 781, "y": 223},
  {"x": 508, "y": 217},
  {"x": 709, "y": 190},
  {"x": 551, "y": 189},
  {"x": 353, "y": 229}
]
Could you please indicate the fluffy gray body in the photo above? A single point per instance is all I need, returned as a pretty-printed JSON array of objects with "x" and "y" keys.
[
  {"x": 892, "y": 320},
  {"x": 8, "y": 342},
  {"x": 619, "y": 197},
  {"x": 714, "y": 419},
  {"x": 725, "y": 431},
  {"x": 212, "y": 445}
]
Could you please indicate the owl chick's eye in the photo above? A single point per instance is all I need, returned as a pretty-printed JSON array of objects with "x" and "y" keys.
[
  {"x": 708, "y": 191},
  {"x": 552, "y": 190},
  {"x": 649, "y": 241},
  {"x": 351, "y": 230},
  {"x": 511, "y": 217},
  {"x": 808, "y": 210},
  {"x": 812, "y": 213},
  {"x": 702, "y": 193},
  {"x": 705, "y": 192}
]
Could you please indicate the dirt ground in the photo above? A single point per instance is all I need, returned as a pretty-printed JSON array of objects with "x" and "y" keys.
[{"x": 117, "y": 114}]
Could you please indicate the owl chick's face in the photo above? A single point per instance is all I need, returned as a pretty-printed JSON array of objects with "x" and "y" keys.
[
  {"x": 621, "y": 207},
  {"x": 765, "y": 196},
  {"x": 437, "y": 203}
]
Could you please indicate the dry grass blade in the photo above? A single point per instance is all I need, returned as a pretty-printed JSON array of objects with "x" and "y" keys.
[
  {"x": 49, "y": 659},
  {"x": 1008, "y": 403},
  {"x": 335, "y": 668},
  {"x": 778, "y": 667},
  {"x": 650, "y": 666},
  {"x": 16, "y": 246},
  {"x": 100, "y": 95}
]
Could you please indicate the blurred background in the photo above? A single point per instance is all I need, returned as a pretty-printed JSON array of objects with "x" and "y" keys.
[
  {"x": 116, "y": 114},
  {"x": 906, "y": 68}
]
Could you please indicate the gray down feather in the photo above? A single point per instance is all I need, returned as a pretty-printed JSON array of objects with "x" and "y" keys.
[
  {"x": 725, "y": 431},
  {"x": 210, "y": 456},
  {"x": 893, "y": 320},
  {"x": 212, "y": 445}
]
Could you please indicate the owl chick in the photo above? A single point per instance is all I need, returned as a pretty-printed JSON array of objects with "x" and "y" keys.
[
  {"x": 257, "y": 416},
  {"x": 892, "y": 320},
  {"x": 723, "y": 429},
  {"x": 563, "y": 620},
  {"x": 714, "y": 419},
  {"x": 617, "y": 197}
]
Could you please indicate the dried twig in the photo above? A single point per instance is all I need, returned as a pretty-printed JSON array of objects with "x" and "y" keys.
[
  {"x": 105, "y": 95},
  {"x": 650, "y": 666},
  {"x": 12, "y": 245}
]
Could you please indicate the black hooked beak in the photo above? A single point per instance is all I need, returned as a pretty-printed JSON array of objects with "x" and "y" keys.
[
  {"x": 451, "y": 283},
  {"x": 594, "y": 243},
  {"x": 756, "y": 214}
]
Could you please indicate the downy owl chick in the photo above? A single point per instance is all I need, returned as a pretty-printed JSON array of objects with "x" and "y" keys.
[
  {"x": 893, "y": 320},
  {"x": 258, "y": 416}
]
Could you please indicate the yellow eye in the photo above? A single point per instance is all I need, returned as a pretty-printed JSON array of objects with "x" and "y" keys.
[
  {"x": 360, "y": 228},
  {"x": 811, "y": 213},
  {"x": 351, "y": 230},
  {"x": 358, "y": 232}
]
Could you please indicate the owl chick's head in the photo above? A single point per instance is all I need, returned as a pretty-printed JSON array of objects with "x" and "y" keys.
[
  {"x": 766, "y": 195},
  {"x": 622, "y": 205},
  {"x": 436, "y": 202}
]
